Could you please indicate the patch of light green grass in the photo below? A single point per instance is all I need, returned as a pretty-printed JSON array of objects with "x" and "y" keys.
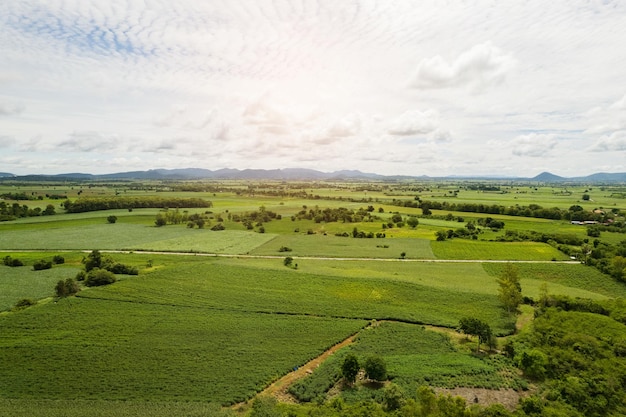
[{"x": 477, "y": 249}]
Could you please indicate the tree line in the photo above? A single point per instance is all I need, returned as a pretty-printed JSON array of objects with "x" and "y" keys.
[
  {"x": 86, "y": 204},
  {"x": 14, "y": 211}
]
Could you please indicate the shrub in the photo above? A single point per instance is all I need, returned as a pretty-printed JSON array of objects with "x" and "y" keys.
[
  {"x": 288, "y": 261},
  {"x": 284, "y": 249},
  {"x": 119, "y": 268},
  {"x": 97, "y": 277},
  {"x": 66, "y": 288},
  {"x": 112, "y": 219},
  {"x": 81, "y": 276},
  {"x": 58, "y": 259},
  {"x": 42, "y": 264},
  {"x": 25, "y": 302},
  {"x": 218, "y": 227},
  {"x": 8, "y": 261}
]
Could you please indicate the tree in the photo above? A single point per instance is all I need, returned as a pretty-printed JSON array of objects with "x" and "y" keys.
[
  {"x": 375, "y": 368},
  {"x": 112, "y": 219},
  {"x": 350, "y": 368},
  {"x": 586, "y": 197},
  {"x": 441, "y": 235},
  {"x": 510, "y": 291},
  {"x": 93, "y": 260},
  {"x": 475, "y": 327},
  {"x": 393, "y": 397},
  {"x": 288, "y": 261},
  {"x": 412, "y": 222},
  {"x": 618, "y": 268}
]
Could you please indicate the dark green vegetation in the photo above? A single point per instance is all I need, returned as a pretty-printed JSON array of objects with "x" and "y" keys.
[
  {"x": 413, "y": 356},
  {"x": 223, "y": 318}
]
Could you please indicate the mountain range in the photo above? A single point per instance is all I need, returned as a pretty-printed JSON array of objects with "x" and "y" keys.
[{"x": 300, "y": 174}]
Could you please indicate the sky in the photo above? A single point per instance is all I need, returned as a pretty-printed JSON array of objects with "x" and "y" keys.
[{"x": 429, "y": 87}]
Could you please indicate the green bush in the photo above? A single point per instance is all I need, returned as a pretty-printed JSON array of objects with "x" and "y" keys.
[
  {"x": 66, "y": 288},
  {"x": 97, "y": 277},
  {"x": 25, "y": 302},
  {"x": 58, "y": 259},
  {"x": 42, "y": 264},
  {"x": 8, "y": 261}
]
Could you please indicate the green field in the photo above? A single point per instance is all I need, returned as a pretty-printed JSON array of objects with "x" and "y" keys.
[
  {"x": 348, "y": 247},
  {"x": 145, "y": 350},
  {"x": 22, "y": 282},
  {"x": 123, "y": 236},
  {"x": 513, "y": 251},
  {"x": 215, "y": 316}
]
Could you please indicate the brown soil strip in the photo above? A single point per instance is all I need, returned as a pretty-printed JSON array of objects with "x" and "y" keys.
[{"x": 279, "y": 388}]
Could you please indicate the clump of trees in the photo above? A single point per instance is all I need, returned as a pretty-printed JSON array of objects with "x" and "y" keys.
[
  {"x": 85, "y": 204},
  {"x": 374, "y": 367},
  {"x": 65, "y": 288},
  {"x": 96, "y": 260},
  {"x": 15, "y": 211},
  {"x": 338, "y": 214}
]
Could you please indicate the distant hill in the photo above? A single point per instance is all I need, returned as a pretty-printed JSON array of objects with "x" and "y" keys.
[
  {"x": 291, "y": 174},
  {"x": 606, "y": 177},
  {"x": 547, "y": 177}
]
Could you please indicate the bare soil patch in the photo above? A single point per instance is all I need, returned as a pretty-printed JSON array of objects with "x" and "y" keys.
[{"x": 485, "y": 397}]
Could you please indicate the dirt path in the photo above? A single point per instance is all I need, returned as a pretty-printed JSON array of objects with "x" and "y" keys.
[{"x": 279, "y": 388}]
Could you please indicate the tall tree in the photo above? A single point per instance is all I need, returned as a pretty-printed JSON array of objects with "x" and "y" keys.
[
  {"x": 510, "y": 291},
  {"x": 350, "y": 368}
]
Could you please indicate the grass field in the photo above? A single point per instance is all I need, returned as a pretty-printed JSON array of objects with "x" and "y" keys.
[
  {"x": 337, "y": 247},
  {"x": 178, "y": 238},
  {"x": 477, "y": 249},
  {"x": 203, "y": 329},
  {"x": 573, "y": 280},
  {"x": 228, "y": 285},
  {"x": 22, "y": 282},
  {"x": 126, "y": 351}
]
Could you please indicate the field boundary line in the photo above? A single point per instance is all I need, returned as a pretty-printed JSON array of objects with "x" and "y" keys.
[{"x": 322, "y": 258}]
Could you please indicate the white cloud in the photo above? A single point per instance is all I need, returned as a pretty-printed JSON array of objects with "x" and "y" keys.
[
  {"x": 10, "y": 109},
  {"x": 414, "y": 122},
  {"x": 619, "y": 104},
  {"x": 533, "y": 145},
  {"x": 6, "y": 141},
  {"x": 480, "y": 67},
  {"x": 419, "y": 123},
  {"x": 616, "y": 141}
]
